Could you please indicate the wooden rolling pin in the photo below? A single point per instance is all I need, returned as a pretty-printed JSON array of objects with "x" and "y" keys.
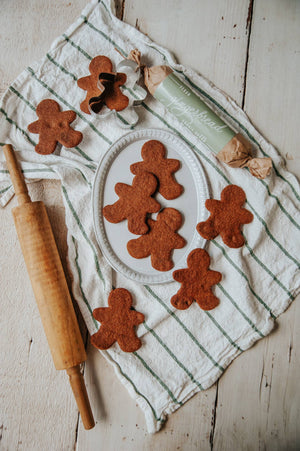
[{"x": 49, "y": 286}]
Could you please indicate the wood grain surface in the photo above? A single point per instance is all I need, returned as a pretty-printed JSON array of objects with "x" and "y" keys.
[{"x": 251, "y": 50}]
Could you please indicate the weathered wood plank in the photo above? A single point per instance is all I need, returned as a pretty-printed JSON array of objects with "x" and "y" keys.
[
  {"x": 210, "y": 39},
  {"x": 37, "y": 408},
  {"x": 121, "y": 424},
  {"x": 33, "y": 394},
  {"x": 27, "y": 31},
  {"x": 258, "y": 402},
  {"x": 272, "y": 91}
]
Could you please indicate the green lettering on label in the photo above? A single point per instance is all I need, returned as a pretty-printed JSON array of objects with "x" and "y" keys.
[{"x": 180, "y": 100}]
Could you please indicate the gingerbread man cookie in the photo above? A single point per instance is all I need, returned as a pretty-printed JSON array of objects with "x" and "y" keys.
[
  {"x": 53, "y": 126},
  {"x": 117, "y": 322},
  {"x": 160, "y": 241},
  {"x": 196, "y": 282},
  {"x": 134, "y": 203},
  {"x": 155, "y": 161},
  {"x": 227, "y": 217},
  {"x": 110, "y": 93}
]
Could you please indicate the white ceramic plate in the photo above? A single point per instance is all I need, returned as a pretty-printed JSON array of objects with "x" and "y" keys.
[{"x": 114, "y": 168}]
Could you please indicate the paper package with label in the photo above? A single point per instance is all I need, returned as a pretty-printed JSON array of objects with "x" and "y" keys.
[{"x": 230, "y": 147}]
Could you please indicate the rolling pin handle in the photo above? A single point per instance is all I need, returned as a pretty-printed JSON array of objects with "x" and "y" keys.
[
  {"x": 81, "y": 396},
  {"x": 16, "y": 175}
]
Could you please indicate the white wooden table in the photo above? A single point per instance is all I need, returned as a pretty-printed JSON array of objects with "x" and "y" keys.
[{"x": 251, "y": 50}]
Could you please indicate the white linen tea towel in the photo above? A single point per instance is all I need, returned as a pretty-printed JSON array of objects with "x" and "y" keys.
[{"x": 183, "y": 351}]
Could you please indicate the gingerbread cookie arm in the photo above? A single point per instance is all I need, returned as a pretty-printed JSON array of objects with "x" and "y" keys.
[
  {"x": 70, "y": 138},
  {"x": 34, "y": 127},
  {"x": 101, "y": 314},
  {"x": 173, "y": 165},
  {"x": 137, "y": 168},
  {"x": 118, "y": 211},
  {"x": 84, "y": 83},
  {"x": 179, "y": 242},
  {"x": 121, "y": 189},
  {"x": 180, "y": 274},
  {"x": 137, "y": 317},
  {"x": 246, "y": 216},
  {"x": 68, "y": 116},
  {"x": 212, "y": 277},
  {"x": 113, "y": 213},
  {"x": 212, "y": 205}
]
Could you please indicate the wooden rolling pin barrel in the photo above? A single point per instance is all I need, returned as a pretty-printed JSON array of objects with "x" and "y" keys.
[{"x": 50, "y": 287}]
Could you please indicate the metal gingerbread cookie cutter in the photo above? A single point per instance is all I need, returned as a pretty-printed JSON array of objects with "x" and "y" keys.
[{"x": 128, "y": 117}]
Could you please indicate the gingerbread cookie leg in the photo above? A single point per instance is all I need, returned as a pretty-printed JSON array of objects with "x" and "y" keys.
[
  {"x": 181, "y": 301},
  {"x": 129, "y": 343},
  {"x": 162, "y": 259},
  {"x": 207, "y": 301},
  {"x": 103, "y": 339},
  {"x": 140, "y": 247},
  {"x": 68, "y": 137},
  {"x": 137, "y": 224},
  {"x": 45, "y": 146},
  {"x": 232, "y": 238},
  {"x": 207, "y": 229}
]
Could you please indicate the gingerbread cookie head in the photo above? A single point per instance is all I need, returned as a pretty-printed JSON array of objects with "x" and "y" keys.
[
  {"x": 196, "y": 282},
  {"x": 234, "y": 195},
  {"x": 53, "y": 126},
  {"x": 100, "y": 64},
  {"x": 155, "y": 161},
  {"x": 134, "y": 204},
  {"x": 117, "y": 322},
  {"x": 160, "y": 241},
  {"x": 103, "y": 87},
  {"x": 171, "y": 217},
  {"x": 227, "y": 217}
]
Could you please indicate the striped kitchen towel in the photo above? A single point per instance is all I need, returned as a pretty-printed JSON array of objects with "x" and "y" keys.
[{"x": 183, "y": 351}]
